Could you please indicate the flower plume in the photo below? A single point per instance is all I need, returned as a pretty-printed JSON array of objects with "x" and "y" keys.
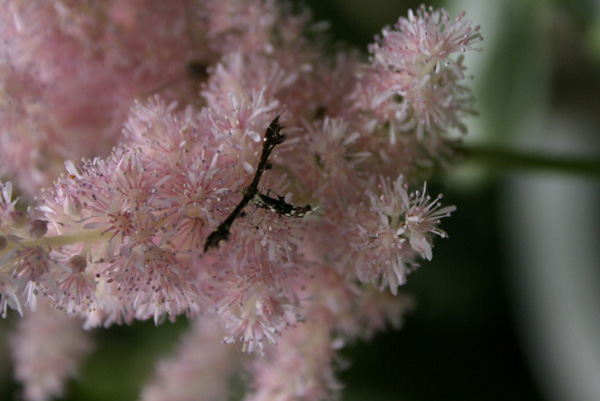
[{"x": 175, "y": 199}]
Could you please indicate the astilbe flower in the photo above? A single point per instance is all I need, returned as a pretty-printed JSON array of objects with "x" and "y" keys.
[
  {"x": 329, "y": 227},
  {"x": 413, "y": 80},
  {"x": 201, "y": 366},
  {"x": 393, "y": 231},
  {"x": 47, "y": 347},
  {"x": 69, "y": 74},
  {"x": 300, "y": 367}
]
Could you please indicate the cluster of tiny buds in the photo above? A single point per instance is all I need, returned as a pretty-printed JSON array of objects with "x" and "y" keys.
[{"x": 20, "y": 220}]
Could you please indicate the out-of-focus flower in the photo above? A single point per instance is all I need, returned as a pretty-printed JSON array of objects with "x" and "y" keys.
[
  {"x": 202, "y": 365},
  {"x": 47, "y": 348}
]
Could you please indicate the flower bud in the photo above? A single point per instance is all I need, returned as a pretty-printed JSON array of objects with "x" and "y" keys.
[
  {"x": 37, "y": 228},
  {"x": 72, "y": 207},
  {"x": 76, "y": 264}
]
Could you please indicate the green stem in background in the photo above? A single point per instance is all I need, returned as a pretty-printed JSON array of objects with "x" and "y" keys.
[{"x": 501, "y": 159}]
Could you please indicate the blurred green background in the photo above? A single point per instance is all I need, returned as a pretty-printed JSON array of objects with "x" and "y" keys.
[{"x": 465, "y": 340}]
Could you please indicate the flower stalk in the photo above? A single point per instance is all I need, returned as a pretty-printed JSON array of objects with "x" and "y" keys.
[{"x": 505, "y": 159}]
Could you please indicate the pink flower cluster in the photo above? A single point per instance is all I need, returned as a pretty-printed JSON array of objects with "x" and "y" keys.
[{"x": 121, "y": 236}]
